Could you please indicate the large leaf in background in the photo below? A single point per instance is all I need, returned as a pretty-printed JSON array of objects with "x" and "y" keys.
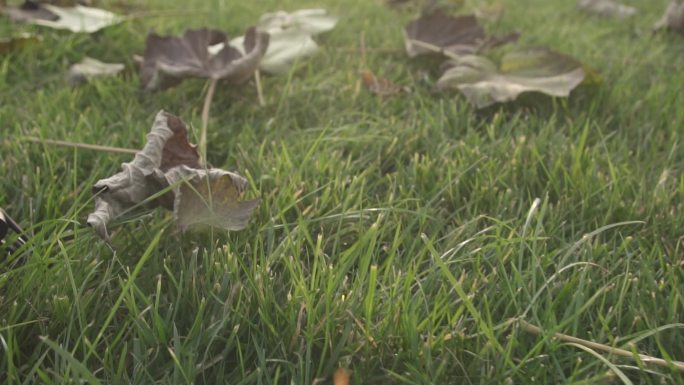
[
  {"x": 673, "y": 18},
  {"x": 532, "y": 69},
  {"x": 291, "y": 37},
  {"x": 609, "y": 8},
  {"x": 449, "y": 35},
  {"x": 169, "y": 59},
  {"x": 75, "y": 19},
  {"x": 168, "y": 162}
]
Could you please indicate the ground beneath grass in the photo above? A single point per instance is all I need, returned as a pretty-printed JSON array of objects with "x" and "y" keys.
[{"x": 397, "y": 237}]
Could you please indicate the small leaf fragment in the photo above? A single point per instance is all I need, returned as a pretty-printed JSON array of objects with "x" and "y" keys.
[
  {"x": 608, "y": 8},
  {"x": 89, "y": 68},
  {"x": 308, "y": 21},
  {"x": 9, "y": 44},
  {"x": 341, "y": 376},
  {"x": 673, "y": 18},
  {"x": 169, "y": 59},
  {"x": 526, "y": 70},
  {"x": 379, "y": 86}
]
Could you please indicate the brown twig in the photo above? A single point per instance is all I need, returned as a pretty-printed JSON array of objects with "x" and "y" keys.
[
  {"x": 205, "y": 119},
  {"x": 536, "y": 330},
  {"x": 85, "y": 146}
]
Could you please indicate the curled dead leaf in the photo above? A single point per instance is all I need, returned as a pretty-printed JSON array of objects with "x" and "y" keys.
[
  {"x": 169, "y": 59},
  {"x": 169, "y": 165}
]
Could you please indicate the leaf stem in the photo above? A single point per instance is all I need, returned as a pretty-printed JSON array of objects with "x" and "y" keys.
[
  {"x": 205, "y": 119},
  {"x": 536, "y": 330},
  {"x": 85, "y": 146},
  {"x": 260, "y": 94}
]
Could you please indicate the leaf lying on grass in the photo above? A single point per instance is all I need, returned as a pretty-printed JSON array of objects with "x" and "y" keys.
[
  {"x": 673, "y": 18},
  {"x": 535, "y": 69},
  {"x": 169, "y": 59},
  {"x": 9, "y": 44},
  {"x": 290, "y": 37},
  {"x": 90, "y": 68},
  {"x": 169, "y": 161},
  {"x": 75, "y": 19},
  {"x": 439, "y": 33},
  {"x": 608, "y": 8}
]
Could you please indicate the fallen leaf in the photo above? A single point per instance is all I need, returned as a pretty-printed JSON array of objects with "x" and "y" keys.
[
  {"x": 673, "y": 18},
  {"x": 169, "y": 59},
  {"x": 609, "y": 8},
  {"x": 90, "y": 68},
  {"x": 9, "y": 44},
  {"x": 526, "y": 70},
  {"x": 341, "y": 377},
  {"x": 439, "y": 33},
  {"x": 75, "y": 19},
  {"x": 290, "y": 37},
  {"x": 308, "y": 21},
  {"x": 284, "y": 49},
  {"x": 169, "y": 162},
  {"x": 380, "y": 87}
]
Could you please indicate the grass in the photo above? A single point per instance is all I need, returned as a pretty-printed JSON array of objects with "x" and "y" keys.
[{"x": 397, "y": 237}]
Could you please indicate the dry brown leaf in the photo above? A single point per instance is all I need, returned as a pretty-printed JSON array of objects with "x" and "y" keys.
[
  {"x": 378, "y": 86},
  {"x": 440, "y": 33},
  {"x": 169, "y": 162},
  {"x": 341, "y": 376},
  {"x": 673, "y": 18},
  {"x": 169, "y": 59}
]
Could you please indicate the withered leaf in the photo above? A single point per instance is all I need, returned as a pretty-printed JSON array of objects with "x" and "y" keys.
[
  {"x": 89, "y": 68},
  {"x": 169, "y": 162},
  {"x": 169, "y": 59},
  {"x": 440, "y": 33},
  {"x": 78, "y": 18},
  {"x": 379, "y": 86},
  {"x": 308, "y": 21},
  {"x": 673, "y": 18},
  {"x": 609, "y": 8},
  {"x": 532, "y": 69}
]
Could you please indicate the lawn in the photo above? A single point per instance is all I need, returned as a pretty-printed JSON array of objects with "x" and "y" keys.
[{"x": 401, "y": 237}]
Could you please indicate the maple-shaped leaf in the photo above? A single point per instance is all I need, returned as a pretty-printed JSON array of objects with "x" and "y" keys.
[
  {"x": 169, "y": 59},
  {"x": 609, "y": 8},
  {"x": 168, "y": 162},
  {"x": 75, "y": 19},
  {"x": 451, "y": 36},
  {"x": 673, "y": 18},
  {"x": 534, "y": 69}
]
